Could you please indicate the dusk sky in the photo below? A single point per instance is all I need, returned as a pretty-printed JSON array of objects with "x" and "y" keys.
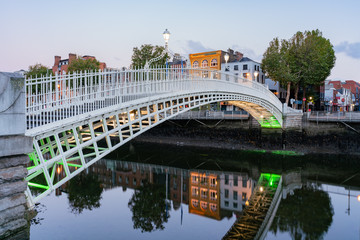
[{"x": 35, "y": 31}]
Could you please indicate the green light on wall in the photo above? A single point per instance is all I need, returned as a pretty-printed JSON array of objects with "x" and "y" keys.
[{"x": 270, "y": 122}]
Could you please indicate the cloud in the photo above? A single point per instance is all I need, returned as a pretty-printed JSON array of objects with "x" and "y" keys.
[
  {"x": 350, "y": 49},
  {"x": 195, "y": 47}
]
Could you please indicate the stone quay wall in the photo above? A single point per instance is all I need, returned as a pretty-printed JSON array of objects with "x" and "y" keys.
[{"x": 14, "y": 146}]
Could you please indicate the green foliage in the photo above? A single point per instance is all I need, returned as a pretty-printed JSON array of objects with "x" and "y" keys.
[
  {"x": 149, "y": 207},
  {"x": 84, "y": 193},
  {"x": 145, "y": 53},
  {"x": 306, "y": 59},
  {"x": 38, "y": 70},
  {"x": 305, "y": 215},
  {"x": 79, "y": 65}
]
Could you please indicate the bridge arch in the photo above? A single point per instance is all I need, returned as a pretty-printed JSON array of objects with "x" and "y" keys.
[{"x": 75, "y": 124}]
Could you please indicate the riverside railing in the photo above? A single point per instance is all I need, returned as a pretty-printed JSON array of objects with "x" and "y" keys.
[{"x": 54, "y": 98}]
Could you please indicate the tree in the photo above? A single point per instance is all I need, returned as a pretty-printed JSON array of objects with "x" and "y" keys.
[
  {"x": 80, "y": 64},
  {"x": 38, "y": 70},
  {"x": 306, "y": 60},
  {"x": 276, "y": 63},
  {"x": 307, "y": 214},
  {"x": 145, "y": 53},
  {"x": 84, "y": 192},
  {"x": 148, "y": 206}
]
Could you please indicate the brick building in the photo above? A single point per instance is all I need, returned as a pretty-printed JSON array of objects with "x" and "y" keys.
[{"x": 61, "y": 65}]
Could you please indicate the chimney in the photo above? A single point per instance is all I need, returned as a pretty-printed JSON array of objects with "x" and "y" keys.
[
  {"x": 57, "y": 60},
  {"x": 72, "y": 56}
]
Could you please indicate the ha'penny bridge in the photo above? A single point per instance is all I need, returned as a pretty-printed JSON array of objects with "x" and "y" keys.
[{"x": 77, "y": 119}]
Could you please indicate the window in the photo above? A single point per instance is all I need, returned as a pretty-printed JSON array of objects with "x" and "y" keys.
[
  {"x": 213, "y": 182},
  {"x": 194, "y": 191},
  {"x": 195, "y": 179},
  {"x": 120, "y": 179},
  {"x": 204, "y": 63},
  {"x": 245, "y": 67},
  {"x": 236, "y": 67},
  {"x": 213, "y": 207},
  {"x": 235, "y": 195},
  {"x": 203, "y": 181},
  {"x": 134, "y": 181},
  {"x": 195, "y": 64},
  {"x": 213, "y": 195},
  {"x": 195, "y": 203},
  {"x": 245, "y": 75},
  {"x": 226, "y": 203},
  {"x": 226, "y": 179},
  {"x": 244, "y": 183},
  {"x": 204, "y": 193},
  {"x": 235, "y": 205},
  {"x": 214, "y": 62},
  {"x": 243, "y": 197},
  {"x": 226, "y": 193},
  {"x": 203, "y": 205},
  {"x": 235, "y": 181}
]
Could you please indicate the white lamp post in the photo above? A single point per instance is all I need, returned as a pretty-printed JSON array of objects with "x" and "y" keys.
[
  {"x": 166, "y": 35},
  {"x": 256, "y": 73},
  {"x": 226, "y": 58}
]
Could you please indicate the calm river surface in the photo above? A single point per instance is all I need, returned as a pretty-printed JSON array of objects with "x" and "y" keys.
[{"x": 149, "y": 191}]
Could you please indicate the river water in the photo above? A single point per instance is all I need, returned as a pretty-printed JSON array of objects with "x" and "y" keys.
[{"x": 150, "y": 191}]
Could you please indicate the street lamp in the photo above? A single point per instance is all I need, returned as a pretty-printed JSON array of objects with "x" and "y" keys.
[
  {"x": 256, "y": 73},
  {"x": 166, "y": 35},
  {"x": 226, "y": 58}
]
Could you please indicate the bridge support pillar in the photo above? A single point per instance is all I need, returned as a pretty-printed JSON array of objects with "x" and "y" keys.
[
  {"x": 13, "y": 159},
  {"x": 292, "y": 118}
]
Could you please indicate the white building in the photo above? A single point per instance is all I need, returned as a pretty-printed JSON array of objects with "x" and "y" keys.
[
  {"x": 246, "y": 68},
  {"x": 235, "y": 190}
]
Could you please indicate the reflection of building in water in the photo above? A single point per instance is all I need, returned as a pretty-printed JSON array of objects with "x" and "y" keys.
[
  {"x": 236, "y": 189},
  {"x": 204, "y": 195}
]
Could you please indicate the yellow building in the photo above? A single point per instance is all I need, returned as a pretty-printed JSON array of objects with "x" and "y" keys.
[
  {"x": 211, "y": 60},
  {"x": 204, "y": 196}
]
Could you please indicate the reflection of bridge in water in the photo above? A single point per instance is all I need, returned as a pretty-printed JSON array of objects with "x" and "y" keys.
[
  {"x": 253, "y": 222},
  {"x": 256, "y": 218}
]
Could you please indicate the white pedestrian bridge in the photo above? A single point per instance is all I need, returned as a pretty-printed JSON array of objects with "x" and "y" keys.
[{"x": 77, "y": 119}]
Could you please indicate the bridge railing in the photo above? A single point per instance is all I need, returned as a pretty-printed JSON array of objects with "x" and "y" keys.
[{"x": 53, "y": 98}]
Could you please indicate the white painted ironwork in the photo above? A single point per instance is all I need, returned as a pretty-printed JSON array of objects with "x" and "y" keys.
[{"x": 77, "y": 119}]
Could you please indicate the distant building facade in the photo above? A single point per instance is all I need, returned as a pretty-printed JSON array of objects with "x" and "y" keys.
[{"x": 61, "y": 65}]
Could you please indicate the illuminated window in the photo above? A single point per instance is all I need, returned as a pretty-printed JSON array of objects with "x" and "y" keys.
[
  {"x": 213, "y": 207},
  {"x": 243, "y": 196},
  {"x": 214, "y": 62},
  {"x": 195, "y": 179},
  {"x": 213, "y": 182},
  {"x": 195, "y": 203},
  {"x": 213, "y": 195},
  {"x": 203, "y": 205},
  {"x": 195, "y": 64},
  {"x": 204, "y": 193},
  {"x": 203, "y": 180},
  {"x": 194, "y": 191},
  {"x": 204, "y": 63}
]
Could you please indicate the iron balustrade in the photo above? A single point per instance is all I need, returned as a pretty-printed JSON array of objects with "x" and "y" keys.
[{"x": 54, "y": 98}]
